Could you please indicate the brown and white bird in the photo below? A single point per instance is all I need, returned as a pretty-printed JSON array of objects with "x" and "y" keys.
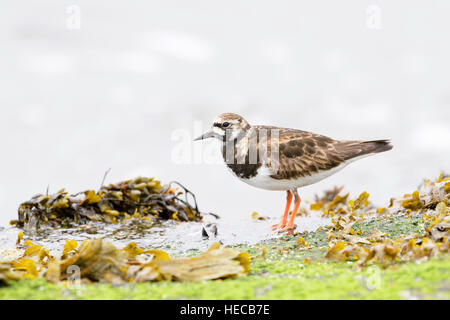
[{"x": 274, "y": 158}]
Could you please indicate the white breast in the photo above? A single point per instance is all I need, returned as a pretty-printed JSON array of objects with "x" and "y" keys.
[{"x": 263, "y": 179}]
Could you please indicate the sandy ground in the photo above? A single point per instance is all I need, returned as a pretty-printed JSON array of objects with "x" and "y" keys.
[{"x": 137, "y": 80}]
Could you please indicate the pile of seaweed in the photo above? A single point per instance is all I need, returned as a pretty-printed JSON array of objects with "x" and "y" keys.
[
  {"x": 97, "y": 260},
  {"x": 141, "y": 197},
  {"x": 430, "y": 204}
]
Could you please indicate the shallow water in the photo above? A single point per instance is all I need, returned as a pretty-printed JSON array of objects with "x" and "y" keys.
[
  {"x": 176, "y": 238},
  {"x": 115, "y": 93}
]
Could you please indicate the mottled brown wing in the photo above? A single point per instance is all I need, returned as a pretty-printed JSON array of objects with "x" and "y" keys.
[{"x": 304, "y": 153}]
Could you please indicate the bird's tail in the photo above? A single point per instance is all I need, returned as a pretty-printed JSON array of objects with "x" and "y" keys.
[
  {"x": 356, "y": 149},
  {"x": 377, "y": 146}
]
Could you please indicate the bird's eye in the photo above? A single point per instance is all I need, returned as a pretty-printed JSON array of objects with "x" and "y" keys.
[{"x": 225, "y": 124}]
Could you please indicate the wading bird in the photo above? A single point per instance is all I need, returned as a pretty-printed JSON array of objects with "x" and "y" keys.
[{"x": 274, "y": 158}]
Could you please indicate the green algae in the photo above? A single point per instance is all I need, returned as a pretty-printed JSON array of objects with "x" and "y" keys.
[
  {"x": 281, "y": 269},
  {"x": 429, "y": 280},
  {"x": 395, "y": 227}
]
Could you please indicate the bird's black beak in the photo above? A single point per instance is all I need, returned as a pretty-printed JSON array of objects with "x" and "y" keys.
[{"x": 206, "y": 135}]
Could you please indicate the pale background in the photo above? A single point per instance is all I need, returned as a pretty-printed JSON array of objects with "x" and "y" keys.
[{"x": 75, "y": 102}]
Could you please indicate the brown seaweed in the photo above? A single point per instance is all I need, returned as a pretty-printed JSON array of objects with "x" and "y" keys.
[{"x": 143, "y": 198}]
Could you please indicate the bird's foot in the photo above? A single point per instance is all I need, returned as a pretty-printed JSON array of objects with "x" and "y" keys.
[
  {"x": 289, "y": 229},
  {"x": 278, "y": 226}
]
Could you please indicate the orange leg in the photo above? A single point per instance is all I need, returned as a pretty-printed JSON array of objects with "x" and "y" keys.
[
  {"x": 286, "y": 211},
  {"x": 291, "y": 226}
]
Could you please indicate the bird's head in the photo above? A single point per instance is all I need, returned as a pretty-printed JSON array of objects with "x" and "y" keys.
[{"x": 226, "y": 127}]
